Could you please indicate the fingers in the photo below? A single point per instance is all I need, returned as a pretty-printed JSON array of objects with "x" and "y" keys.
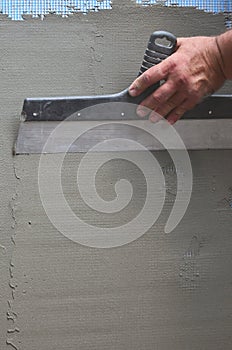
[
  {"x": 165, "y": 99},
  {"x": 179, "y": 111},
  {"x": 158, "y": 97},
  {"x": 150, "y": 77},
  {"x": 162, "y": 101},
  {"x": 176, "y": 100},
  {"x": 174, "y": 107}
]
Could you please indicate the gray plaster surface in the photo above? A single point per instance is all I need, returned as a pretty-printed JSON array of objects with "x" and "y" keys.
[{"x": 159, "y": 292}]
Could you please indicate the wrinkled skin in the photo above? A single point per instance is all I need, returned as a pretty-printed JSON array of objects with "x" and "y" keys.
[{"x": 194, "y": 71}]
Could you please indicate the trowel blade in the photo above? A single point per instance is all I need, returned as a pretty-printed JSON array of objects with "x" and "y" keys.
[
  {"x": 196, "y": 135},
  {"x": 204, "y": 127}
]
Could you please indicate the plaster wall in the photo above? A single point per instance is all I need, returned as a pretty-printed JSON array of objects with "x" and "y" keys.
[{"x": 159, "y": 292}]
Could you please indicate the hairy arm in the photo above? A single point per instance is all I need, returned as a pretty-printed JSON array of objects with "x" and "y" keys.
[{"x": 198, "y": 68}]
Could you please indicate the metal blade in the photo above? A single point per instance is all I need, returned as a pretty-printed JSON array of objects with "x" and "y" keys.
[
  {"x": 196, "y": 134},
  {"x": 60, "y": 108}
]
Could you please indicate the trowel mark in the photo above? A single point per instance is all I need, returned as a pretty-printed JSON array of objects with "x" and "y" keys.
[
  {"x": 9, "y": 342},
  {"x": 11, "y": 269},
  {"x": 14, "y": 330},
  {"x": 2, "y": 250},
  {"x": 230, "y": 197},
  {"x": 13, "y": 287},
  {"x": 193, "y": 249},
  {"x": 226, "y": 202},
  {"x": 11, "y": 315},
  {"x": 189, "y": 272}
]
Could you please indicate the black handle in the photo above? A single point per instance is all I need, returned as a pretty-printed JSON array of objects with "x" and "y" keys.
[{"x": 156, "y": 51}]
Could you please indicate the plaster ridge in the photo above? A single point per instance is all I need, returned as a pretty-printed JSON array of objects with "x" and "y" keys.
[
  {"x": 12, "y": 316},
  {"x": 9, "y": 342},
  {"x": 96, "y": 56},
  {"x": 3, "y": 249},
  {"x": 190, "y": 267}
]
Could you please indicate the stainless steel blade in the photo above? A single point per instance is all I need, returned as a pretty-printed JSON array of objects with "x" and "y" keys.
[{"x": 196, "y": 135}]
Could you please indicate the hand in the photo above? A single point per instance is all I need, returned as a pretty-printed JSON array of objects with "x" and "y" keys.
[{"x": 192, "y": 72}]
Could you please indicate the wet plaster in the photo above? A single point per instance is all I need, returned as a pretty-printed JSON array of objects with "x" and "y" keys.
[
  {"x": 159, "y": 292},
  {"x": 8, "y": 195}
]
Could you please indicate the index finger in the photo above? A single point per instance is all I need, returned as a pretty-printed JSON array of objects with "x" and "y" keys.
[{"x": 151, "y": 76}]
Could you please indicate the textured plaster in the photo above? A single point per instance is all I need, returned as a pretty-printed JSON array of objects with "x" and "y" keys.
[{"x": 160, "y": 292}]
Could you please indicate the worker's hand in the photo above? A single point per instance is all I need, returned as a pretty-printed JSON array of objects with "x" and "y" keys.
[{"x": 192, "y": 72}]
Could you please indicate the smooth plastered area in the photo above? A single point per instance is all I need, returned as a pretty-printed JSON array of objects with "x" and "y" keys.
[{"x": 162, "y": 291}]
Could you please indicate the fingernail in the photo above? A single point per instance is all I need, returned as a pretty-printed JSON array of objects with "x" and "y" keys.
[
  {"x": 155, "y": 117},
  {"x": 142, "y": 112},
  {"x": 171, "y": 121},
  {"x": 132, "y": 91}
]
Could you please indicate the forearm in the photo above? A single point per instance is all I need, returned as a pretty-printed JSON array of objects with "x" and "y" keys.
[{"x": 224, "y": 42}]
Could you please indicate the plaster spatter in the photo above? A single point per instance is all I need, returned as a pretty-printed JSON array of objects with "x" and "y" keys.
[{"x": 11, "y": 314}]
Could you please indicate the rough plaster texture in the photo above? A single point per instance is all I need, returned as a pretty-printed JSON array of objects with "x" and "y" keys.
[{"x": 160, "y": 292}]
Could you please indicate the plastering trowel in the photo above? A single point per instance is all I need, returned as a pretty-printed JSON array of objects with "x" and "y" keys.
[{"x": 41, "y": 116}]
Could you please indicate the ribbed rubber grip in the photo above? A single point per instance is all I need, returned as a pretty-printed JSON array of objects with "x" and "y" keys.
[{"x": 157, "y": 51}]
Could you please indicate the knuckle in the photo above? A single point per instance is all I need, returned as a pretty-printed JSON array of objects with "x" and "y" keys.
[
  {"x": 183, "y": 80},
  {"x": 171, "y": 105},
  {"x": 158, "y": 98},
  {"x": 137, "y": 84},
  {"x": 146, "y": 78},
  {"x": 194, "y": 91},
  {"x": 180, "y": 111},
  {"x": 168, "y": 67},
  {"x": 172, "y": 65}
]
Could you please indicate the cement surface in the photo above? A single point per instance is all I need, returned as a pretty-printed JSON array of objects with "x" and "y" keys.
[{"x": 159, "y": 292}]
